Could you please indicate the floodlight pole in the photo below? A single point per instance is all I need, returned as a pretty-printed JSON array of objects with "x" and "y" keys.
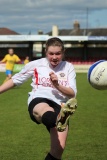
[{"x": 87, "y": 21}]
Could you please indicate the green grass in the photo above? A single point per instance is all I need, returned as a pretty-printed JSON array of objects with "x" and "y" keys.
[{"x": 21, "y": 139}]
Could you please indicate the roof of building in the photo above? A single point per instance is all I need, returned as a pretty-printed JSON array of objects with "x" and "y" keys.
[
  {"x": 82, "y": 32},
  {"x": 78, "y": 31},
  {"x": 6, "y": 31},
  {"x": 65, "y": 32}
]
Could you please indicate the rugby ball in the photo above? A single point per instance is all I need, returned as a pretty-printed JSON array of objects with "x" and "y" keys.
[{"x": 97, "y": 75}]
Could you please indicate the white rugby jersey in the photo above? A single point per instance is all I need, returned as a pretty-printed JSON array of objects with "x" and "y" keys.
[{"x": 41, "y": 85}]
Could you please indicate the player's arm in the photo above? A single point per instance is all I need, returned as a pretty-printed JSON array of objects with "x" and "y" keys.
[
  {"x": 66, "y": 90},
  {"x": 3, "y": 60},
  {"x": 18, "y": 60},
  {"x": 63, "y": 89},
  {"x": 6, "y": 86}
]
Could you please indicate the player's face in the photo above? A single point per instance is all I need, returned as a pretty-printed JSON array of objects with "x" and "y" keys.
[
  {"x": 54, "y": 55},
  {"x": 11, "y": 51}
]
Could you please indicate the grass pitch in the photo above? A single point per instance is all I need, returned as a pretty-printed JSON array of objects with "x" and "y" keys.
[{"x": 22, "y": 139}]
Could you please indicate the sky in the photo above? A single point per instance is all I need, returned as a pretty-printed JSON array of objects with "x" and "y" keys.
[{"x": 31, "y": 16}]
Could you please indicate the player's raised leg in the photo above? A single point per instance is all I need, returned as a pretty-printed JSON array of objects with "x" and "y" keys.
[{"x": 66, "y": 111}]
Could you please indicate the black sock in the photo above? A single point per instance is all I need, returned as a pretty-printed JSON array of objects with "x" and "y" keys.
[{"x": 50, "y": 157}]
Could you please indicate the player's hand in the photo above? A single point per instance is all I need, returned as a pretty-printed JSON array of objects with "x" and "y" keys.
[{"x": 54, "y": 79}]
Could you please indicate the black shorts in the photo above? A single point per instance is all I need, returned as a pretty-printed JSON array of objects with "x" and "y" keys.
[{"x": 38, "y": 100}]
